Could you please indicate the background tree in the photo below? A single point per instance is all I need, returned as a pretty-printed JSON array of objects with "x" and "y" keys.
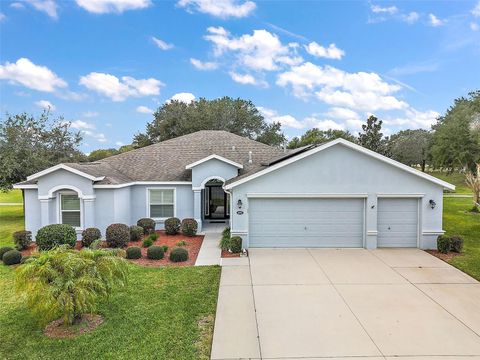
[
  {"x": 410, "y": 147},
  {"x": 29, "y": 144},
  {"x": 316, "y": 136},
  {"x": 101, "y": 154},
  {"x": 456, "y": 139},
  {"x": 237, "y": 116},
  {"x": 372, "y": 137}
]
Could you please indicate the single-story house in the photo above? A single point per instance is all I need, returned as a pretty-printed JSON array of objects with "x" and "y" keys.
[{"x": 336, "y": 194}]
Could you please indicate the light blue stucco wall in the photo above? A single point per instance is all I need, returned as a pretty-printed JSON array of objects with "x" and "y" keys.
[
  {"x": 339, "y": 169},
  {"x": 32, "y": 210},
  {"x": 211, "y": 168},
  {"x": 62, "y": 177}
]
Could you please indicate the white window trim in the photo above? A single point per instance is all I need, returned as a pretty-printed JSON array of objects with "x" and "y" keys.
[
  {"x": 59, "y": 208},
  {"x": 174, "y": 201}
]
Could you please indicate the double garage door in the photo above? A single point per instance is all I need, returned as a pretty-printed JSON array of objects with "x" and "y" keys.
[{"x": 329, "y": 222}]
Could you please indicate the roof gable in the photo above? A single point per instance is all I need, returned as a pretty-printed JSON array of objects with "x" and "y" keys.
[
  {"x": 235, "y": 182},
  {"x": 66, "y": 168},
  {"x": 211, "y": 157}
]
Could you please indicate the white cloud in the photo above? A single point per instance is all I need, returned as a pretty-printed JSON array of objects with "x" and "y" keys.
[
  {"x": 120, "y": 89},
  {"x": 220, "y": 8},
  {"x": 100, "y": 137},
  {"x": 361, "y": 90},
  {"x": 88, "y": 130},
  {"x": 184, "y": 97},
  {"x": 45, "y": 104},
  {"x": 81, "y": 125},
  {"x": 261, "y": 51},
  {"x": 247, "y": 79},
  {"x": 414, "y": 119},
  {"x": 119, "y": 143},
  {"x": 161, "y": 44},
  {"x": 476, "y": 10},
  {"x": 203, "y": 65},
  {"x": 272, "y": 116},
  {"x": 411, "y": 17},
  {"x": 90, "y": 114},
  {"x": 474, "y": 26},
  {"x": 32, "y": 76},
  {"x": 324, "y": 124},
  {"x": 2, "y": 17},
  {"x": 435, "y": 21},
  {"x": 17, "y": 5},
  {"x": 144, "y": 110},
  {"x": 342, "y": 113},
  {"x": 112, "y": 6},
  {"x": 384, "y": 10},
  {"x": 49, "y": 7},
  {"x": 331, "y": 52}
]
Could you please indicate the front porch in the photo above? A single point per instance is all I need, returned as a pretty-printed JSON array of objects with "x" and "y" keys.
[{"x": 212, "y": 206}]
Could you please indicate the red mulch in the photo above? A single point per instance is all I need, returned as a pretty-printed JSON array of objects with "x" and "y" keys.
[
  {"x": 88, "y": 322},
  {"x": 445, "y": 257},
  {"x": 193, "y": 247},
  {"x": 228, "y": 254}
]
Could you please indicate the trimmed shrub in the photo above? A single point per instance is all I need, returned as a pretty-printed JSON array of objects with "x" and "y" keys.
[
  {"x": 181, "y": 243},
  {"x": 225, "y": 240},
  {"x": 118, "y": 235},
  {"x": 89, "y": 235},
  {"x": 172, "y": 226},
  {"x": 236, "y": 244},
  {"x": 165, "y": 248},
  {"x": 3, "y": 250},
  {"x": 443, "y": 244},
  {"x": 22, "y": 239},
  {"x": 147, "y": 242},
  {"x": 51, "y": 236},
  {"x": 456, "y": 244},
  {"x": 153, "y": 236},
  {"x": 178, "y": 254},
  {"x": 136, "y": 233},
  {"x": 147, "y": 224},
  {"x": 155, "y": 253},
  {"x": 189, "y": 227},
  {"x": 12, "y": 257},
  {"x": 134, "y": 252}
]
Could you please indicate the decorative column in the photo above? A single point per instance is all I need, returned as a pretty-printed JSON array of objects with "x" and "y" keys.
[
  {"x": 44, "y": 210},
  {"x": 89, "y": 211},
  {"x": 197, "y": 207}
]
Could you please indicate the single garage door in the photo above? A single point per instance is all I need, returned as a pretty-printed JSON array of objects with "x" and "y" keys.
[
  {"x": 306, "y": 222},
  {"x": 397, "y": 222}
]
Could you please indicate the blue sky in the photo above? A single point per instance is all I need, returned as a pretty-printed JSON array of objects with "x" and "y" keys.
[{"x": 105, "y": 65}]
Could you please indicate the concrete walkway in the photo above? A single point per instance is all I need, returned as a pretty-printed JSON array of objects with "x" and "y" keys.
[
  {"x": 345, "y": 304},
  {"x": 210, "y": 253}
]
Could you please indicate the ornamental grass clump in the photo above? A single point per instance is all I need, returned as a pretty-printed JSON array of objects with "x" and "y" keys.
[{"x": 66, "y": 284}]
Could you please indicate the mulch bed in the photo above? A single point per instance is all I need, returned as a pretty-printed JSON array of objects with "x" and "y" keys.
[
  {"x": 228, "y": 254},
  {"x": 193, "y": 247},
  {"x": 88, "y": 322},
  {"x": 445, "y": 257}
]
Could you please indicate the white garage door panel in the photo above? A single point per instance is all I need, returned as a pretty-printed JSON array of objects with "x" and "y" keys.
[
  {"x": 306, "y": 222},
  {"x": 397, "y": 222}
]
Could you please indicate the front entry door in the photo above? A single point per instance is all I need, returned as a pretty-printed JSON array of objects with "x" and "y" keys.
[{"x": 216, "y": 206}]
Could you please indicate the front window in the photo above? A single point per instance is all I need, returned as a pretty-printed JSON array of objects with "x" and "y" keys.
[
  {"x": 70, "y": 210},
  {"x": 162, "y": 203}
]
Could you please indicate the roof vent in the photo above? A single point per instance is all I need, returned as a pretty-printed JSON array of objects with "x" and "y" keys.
[
  {"x": 233, "y": 147},
  {"x": 250, "y": 157}
]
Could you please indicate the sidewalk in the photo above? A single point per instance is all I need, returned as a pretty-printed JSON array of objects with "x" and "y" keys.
[{"x": 210, "y": 253}]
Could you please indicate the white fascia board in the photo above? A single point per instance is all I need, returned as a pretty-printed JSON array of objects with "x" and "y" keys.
[
  {"x": 67, "y": 168},
  {"x": 25, "y": 186},
  {"x": 353, "y": 146},
  {"x": 118, "y": 186},
  {"x": 400, "y": 195},
  {"x": 214, "y": 156},
  {"x": 305, "y": 195}
]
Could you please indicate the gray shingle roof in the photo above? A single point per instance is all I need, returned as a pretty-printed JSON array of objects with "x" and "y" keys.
[{"x": 166, "y": 161}]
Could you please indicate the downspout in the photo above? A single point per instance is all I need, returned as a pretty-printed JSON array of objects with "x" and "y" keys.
[{"x": 231, "y": 205}]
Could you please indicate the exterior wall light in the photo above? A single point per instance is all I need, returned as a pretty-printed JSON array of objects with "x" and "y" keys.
[
  {"x": 239, "y": 203},
  {"x": 432, "y": 204}
]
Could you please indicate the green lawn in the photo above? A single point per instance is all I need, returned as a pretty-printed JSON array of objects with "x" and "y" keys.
[
  {"x": 11, "y": 220},
  {"x": 456, "y": 179},
  {"x": 456, "y": 221},
  {"x": 13, "y": 196}
]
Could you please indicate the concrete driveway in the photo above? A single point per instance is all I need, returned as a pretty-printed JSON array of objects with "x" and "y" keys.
[{"x": 345, "y": 304}]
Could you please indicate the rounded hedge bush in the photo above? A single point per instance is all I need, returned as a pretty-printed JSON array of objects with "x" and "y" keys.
[
  {"x": 147, "y": 242},
  {"x": 235, "y": 244},
  {"x": 155, "y": 253},
  {"x": 89, "y": 235},
  {"x": 12, "y": 257},
  {"x": 172, "y": 226},
  {"x": 136, "y": 233},
  {"x": 22, "y": 239},
  {"x": 165, "y": 248},
  {"x": 117, "y": 235},
  {"x": 189, "y": 227},
  {"x": 456, "y": 244},
  {"x": 51, "y": 236},
  {"x": 178, "y": 254},
  {"x": 4, "y": 249},
  {"x": 134, "y": 252},
  {"x": 443, "y": 244},
  {"x": 147, "y": 224}
]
